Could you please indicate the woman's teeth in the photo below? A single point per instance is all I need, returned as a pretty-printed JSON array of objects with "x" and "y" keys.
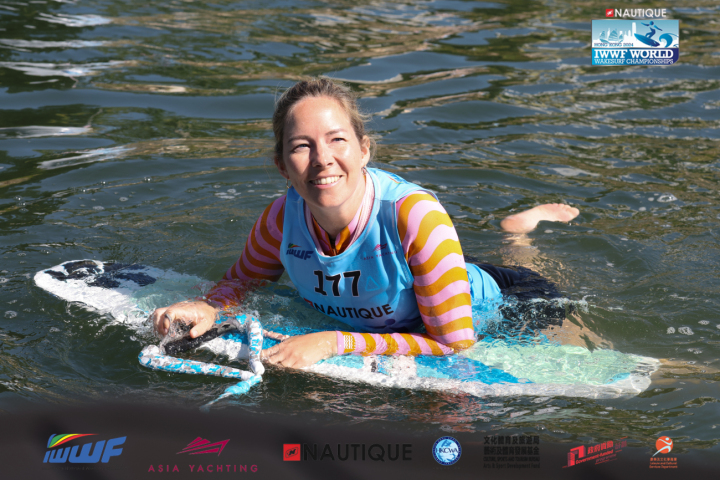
[{"x": 325, "y": 181}]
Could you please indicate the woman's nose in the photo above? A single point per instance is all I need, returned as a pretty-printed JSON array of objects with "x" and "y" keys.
[{"x": 322, "y": 156}]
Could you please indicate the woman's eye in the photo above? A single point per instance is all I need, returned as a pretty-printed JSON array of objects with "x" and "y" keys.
[
  {"x": 338, "y": 139},
  {"x": 300, "y": 147}
]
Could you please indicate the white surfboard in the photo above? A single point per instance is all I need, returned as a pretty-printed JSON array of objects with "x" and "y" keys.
[{"x": 498, "y": 368}]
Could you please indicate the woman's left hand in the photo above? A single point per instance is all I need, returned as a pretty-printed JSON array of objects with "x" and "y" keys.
[{"x": 303, "y": 350}]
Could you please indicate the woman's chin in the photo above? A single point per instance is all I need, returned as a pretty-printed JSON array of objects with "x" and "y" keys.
[{"x": 323, "y": 202}]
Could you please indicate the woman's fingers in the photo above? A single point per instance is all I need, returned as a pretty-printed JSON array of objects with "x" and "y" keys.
[
  {"x": 273, "y": 355},
  {"x": 178, "y": 318},
  {"x": 158, "y": 321},
  {"x": 303, "y": 350},
  {"x": 275, "y": 335},
  {"x": 279, "y": 355},
  {"x": 166, "y": 321}
]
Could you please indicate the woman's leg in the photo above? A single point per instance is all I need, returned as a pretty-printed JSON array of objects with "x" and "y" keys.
[
  {"x": 575, "y": 332},
  {"x": 526, "y": 221},
  {"x": 557, "y": 327}
]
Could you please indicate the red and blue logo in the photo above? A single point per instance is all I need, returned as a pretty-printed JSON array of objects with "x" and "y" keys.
[{"x": 296, "y": 251}]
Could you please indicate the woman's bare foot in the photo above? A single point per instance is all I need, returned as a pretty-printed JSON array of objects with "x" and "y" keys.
[{"x": 526, "y": 221}]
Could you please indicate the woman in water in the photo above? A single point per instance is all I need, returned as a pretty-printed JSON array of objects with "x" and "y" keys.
[{"x": 361, "y": 245}]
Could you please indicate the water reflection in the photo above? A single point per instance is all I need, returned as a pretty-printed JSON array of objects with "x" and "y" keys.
[
  {"x": 25, "y": 44},
  {"x": 492, "y": 105},
  {"x": 75, "y": 20},
  {"x": 38, "y": 131},
  {"x": 60, "y": 69},
  {"x": 98, "y": 155}
]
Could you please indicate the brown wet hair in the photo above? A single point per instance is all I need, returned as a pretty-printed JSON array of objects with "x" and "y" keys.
[{"x": 318, "y": 87}]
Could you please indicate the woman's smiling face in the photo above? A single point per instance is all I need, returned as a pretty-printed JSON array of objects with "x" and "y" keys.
[{"x": 323, "y": 158}]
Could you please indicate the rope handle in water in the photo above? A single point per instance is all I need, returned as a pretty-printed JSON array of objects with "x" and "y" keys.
[{"x": 155, "y": 357}]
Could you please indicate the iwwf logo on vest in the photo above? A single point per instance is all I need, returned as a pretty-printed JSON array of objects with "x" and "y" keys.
[{"x": 297, "y": 251}]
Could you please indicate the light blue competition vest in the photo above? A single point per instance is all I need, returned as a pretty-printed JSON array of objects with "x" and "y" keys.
[{"x": 369, "y": 285}]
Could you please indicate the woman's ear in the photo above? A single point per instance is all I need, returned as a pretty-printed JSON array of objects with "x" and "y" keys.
[
  {"x": 281, "y": 167},
  {"x": 365, "y": 149}
]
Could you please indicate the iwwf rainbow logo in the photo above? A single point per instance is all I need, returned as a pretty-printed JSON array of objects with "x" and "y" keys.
[
  {"x": 295, "y": 252},
  {"x": 57, "y": 440},
  {"x": 100, "y": 451}
]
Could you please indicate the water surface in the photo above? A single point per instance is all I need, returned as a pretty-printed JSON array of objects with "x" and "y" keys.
[{"x": 139, "y": 132}]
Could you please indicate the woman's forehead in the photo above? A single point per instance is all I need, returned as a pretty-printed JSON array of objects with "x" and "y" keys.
[{"x": 308, "y": 111}]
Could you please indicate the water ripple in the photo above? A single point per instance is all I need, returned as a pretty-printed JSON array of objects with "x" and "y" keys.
[
  {"x": 60, "y": 69},
  {"x": 75, "y": 20}
]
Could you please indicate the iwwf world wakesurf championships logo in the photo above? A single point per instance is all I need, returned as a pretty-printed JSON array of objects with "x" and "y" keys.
[{"x": 648, "y": 39}]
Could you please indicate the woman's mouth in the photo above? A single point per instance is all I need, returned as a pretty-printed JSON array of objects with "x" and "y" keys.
[{"x": 325, "y": 181}]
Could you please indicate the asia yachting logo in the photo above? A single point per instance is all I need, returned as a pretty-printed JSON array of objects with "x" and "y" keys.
[
  {"x": 93, "y": 452},
  {"x": 295, "y": 251},
  {"x": 664, "y": 446},
  {"x": 446, "y": 451},
  {"x": 380, "y": 250},
  {"x": 200, "y": 446},
  {"x": 295, "y": 452}
]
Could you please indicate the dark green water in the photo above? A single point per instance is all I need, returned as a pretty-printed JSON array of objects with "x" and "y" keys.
[{"x": 122, "y": 124}]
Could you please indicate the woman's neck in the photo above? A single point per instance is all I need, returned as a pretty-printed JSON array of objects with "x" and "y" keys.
[{"x": 334, "y": 219}]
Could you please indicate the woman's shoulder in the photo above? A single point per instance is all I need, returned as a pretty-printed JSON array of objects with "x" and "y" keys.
[
  {"x": 276, "y": 207},
  {"x": 273, "y": 215},
  {"x": 394, "y": 187}
]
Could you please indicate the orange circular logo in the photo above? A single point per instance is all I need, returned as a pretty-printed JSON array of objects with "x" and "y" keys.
[{"x": 664, "y": 445}]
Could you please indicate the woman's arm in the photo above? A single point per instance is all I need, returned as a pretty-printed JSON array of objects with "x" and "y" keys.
[
  {"x": 442, "y": 290},
  {"x": 259, "y": 261}
]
